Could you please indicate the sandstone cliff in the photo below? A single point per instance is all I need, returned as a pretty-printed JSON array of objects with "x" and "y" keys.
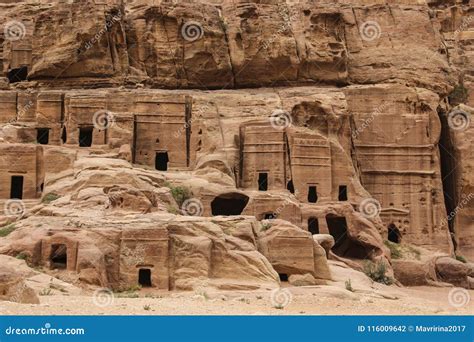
[{"x": 214, "y": 143}]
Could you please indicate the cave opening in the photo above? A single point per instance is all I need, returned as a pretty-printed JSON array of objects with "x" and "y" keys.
[
  {"x": 290, "y": 186},
  {"x": 18, "y": 74},
  {"x": 448, "y": 175},
  {"x": 161, "y": 161},
  {"x": 269, "y": 216},
  {"x": 58, "y": 256},
  {"x": 313, "y": 225},
  {"x": 344, "y": 245},
  {"x": 283, "y": 276},
  {"x": 393, "y": 233},
  {"x": 64, "y": 135},
  {"x": 229, "y": 204},
  {"x": 144, "y": 277}
]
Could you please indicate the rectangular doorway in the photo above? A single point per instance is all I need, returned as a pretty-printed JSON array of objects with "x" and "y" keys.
[
  {"x": 161, "y": 161},
  {"x": 263, "y": 181},
  {"x": 42, "y": 136},
  {"x": 144, "y": 277},
  {"x": 85, "y": 136},
  {"x": 16, "y": 187}
]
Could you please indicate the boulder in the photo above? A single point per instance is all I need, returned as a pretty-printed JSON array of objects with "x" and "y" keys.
[
  {"x": 302, "y": 280},
  {"x": 452, "y": 271},
  {"x": 413, "y": 272},
  {"x": 324, "y": 240},
  {"x": 12, "y": 281}
]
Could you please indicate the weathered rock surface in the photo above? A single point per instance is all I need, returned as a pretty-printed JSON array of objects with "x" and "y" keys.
[
  {"x": 12, "y": 281},
  {"x": 230, "y": 144}
]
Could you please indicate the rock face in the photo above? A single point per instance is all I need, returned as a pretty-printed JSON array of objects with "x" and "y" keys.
[
  {"x": 12, "y": 281},
  {"x": 235, "y": 144}
]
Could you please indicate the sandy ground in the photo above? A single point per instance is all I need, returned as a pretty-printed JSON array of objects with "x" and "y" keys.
[{"x": 311, "y": 300}]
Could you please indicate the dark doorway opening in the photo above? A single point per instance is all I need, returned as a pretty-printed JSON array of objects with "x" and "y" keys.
[
  {"x": 342, "y": 193},
  {"x": 58, "y": 256},
  {"x": 344, "y": 245},
  {"x": 312, "y": 194},
  {"x": 290, "y": 187},
  {"x": 393, "y": 233},
  {"x": 85, "y": 136},
  {"x": 161, "y": 161},
  {"x": 263, "y": 181},
  {"x": 270, "y": 216},
  {"x": 283, "y": 276},
  {"x": 144, "y": 277},
  {"x": 18, "y": 74},
  {"x": 42, "y": 136},
  {"x": 16, "y": 187},
  {"x": 337, "y": 228},
  {"x": 313, "y": 225},
  {"x": 229, "y": 204},
  {"x": 64, "y": 135}
]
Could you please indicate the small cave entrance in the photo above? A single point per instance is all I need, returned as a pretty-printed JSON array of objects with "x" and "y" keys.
[
  {"x": 18, "y": 74},
  {"x": 342, "y": 193},
  {"x": 161, "y": 161},
  {"x": 58, "y": 257},
  {"x": 283, "y": 276},
  {"x": 344, "y": 245},
  {"x": 313, "y": 225},
  {"x": 290, "y": 186},
  {"x": 16, "y": 187},
  {"x": 42, "y": 136},
  {"x": 269, "y": 216},
  {"x": 393, "y": 233},
  {"x": 85, "y": 136},
  {"x": 64, "y": 135},
  {"x": 229, "y": 204},
  {"x": 312, "y": 194},
  {"x": 262, "y": 181},
  {"x": 144, "y": 277}
]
